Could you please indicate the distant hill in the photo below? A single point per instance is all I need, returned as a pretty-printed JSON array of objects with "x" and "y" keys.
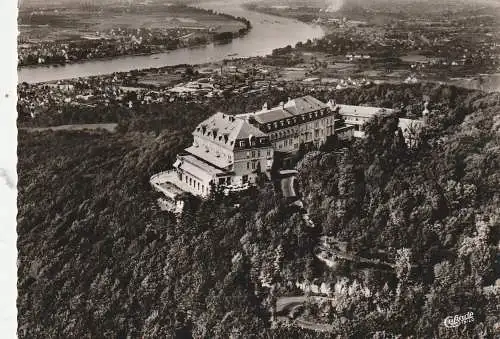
[
  {"x": 412, "y": 7},
  {"x": 25, "y": 4}
]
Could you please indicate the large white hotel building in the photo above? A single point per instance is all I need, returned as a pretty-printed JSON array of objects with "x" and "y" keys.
[{"x": 231, "y": 150}]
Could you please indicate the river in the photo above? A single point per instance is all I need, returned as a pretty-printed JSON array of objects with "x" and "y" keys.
[{"x": 268, "y": 32}]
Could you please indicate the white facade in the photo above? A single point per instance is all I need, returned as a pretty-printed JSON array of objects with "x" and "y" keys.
[
  {"x": 227, "y": 152},
  {"x": 358, "y": 116}
]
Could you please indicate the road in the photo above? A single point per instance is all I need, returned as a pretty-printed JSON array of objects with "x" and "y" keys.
[
  {"x": 287, "y": 187},
  {"x": 287, "y": 182},
  {"x": 285, "y": 305},
  {"x": 351, "y": 257}
]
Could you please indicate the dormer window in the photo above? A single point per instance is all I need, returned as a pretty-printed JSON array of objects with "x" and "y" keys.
[{"x": 242, "y": 144}]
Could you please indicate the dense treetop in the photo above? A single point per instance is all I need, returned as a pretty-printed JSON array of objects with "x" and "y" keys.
[{"x": 98, "y": 258}]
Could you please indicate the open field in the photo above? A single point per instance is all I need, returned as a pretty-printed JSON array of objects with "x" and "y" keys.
[
  {"x": 111, "y": 127},
  {"x": 160, "y": 79}
]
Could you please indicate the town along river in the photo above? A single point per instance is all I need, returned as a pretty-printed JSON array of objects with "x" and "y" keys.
[{"x": 268, "y": 32}]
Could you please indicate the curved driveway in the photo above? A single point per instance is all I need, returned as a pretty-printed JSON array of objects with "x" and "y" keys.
[{"x": 285, "y": 305}]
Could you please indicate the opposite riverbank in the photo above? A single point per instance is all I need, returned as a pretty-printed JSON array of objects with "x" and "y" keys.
[
  {"x": 266, "y": 34},
  {"x": 58, "y": 36}
]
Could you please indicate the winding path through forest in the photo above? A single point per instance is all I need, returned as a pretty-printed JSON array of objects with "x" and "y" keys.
[{"x": 286, "y": 305}]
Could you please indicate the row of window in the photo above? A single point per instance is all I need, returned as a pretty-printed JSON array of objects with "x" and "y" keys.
[
  {"x": 291, "y": 131},
  {"x": 253, "y": 164},
  {"x": 288, "y": 143},
  {"x": 317, "y": 133},
  {"x": 193, "y": 183},
  {"x": 257, "y": 153},
  {"x": 307, "y": 137},
  {"x": 294, "y": 120},
  {"x": 253, "y": 142}
]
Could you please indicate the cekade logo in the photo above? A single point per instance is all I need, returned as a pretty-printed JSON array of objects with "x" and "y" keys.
[{"x": 457, "y": 320}]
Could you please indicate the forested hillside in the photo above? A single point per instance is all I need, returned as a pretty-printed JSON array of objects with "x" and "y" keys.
[
  {"x": 98, "y": 259},
  {"x": 432, "y": 211}
]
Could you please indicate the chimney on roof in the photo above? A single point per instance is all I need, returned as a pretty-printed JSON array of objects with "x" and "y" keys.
[
  {"x": 264, "y": 107},
  {"x": 282, "y": 104}
]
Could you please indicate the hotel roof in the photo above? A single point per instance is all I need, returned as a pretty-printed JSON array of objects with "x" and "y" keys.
[
  {"x": 304, "y": 104},
  {"x": 289, "y": 109},
  {"x": 224, "y": 130},
  {"x": 211, "y": 157},
  {"x": 273, "y": 114}
]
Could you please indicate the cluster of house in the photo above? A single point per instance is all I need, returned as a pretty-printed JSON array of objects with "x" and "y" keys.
[
  {"x": 92, "y": 45},
  {"x": 230, "y": 151}
]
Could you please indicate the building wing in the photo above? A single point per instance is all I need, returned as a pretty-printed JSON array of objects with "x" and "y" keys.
[
  {"x": 198, "y": 168},
  {"x": 362, "y": 111}
]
